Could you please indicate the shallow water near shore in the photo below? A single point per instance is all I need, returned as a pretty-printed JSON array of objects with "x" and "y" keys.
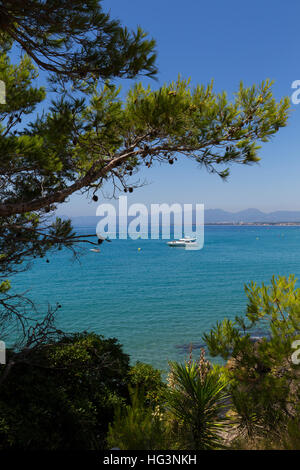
[{"x": 158, "y": 300}]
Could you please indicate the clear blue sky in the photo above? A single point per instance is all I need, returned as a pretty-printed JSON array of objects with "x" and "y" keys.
[{"x": 228, "y": 41}]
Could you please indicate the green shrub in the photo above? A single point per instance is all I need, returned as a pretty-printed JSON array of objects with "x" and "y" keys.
[
  {"x": 63, "y": 395},
  {"x": 144, "y": 376},
  {"x": 137, "y": 426}
]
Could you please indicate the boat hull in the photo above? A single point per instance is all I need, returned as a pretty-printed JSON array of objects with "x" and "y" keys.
[{"x": 176, "y": 244}]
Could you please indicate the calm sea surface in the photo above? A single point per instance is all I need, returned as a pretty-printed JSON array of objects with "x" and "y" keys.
[{"x": 158, "y": 300}]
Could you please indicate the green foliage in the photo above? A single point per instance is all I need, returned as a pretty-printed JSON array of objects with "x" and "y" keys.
[
  {"x": 290, "y": 437},
  {"x": 287, "y": 438},
  {"x": 206, "y": 125},
  {"x": 75, "y": 40},
  {"x": 4, "y": 286},
  {"x": 196, "y": 400},
  {"x": 137, "y": 426},
  {"x": 265, "y": 382},
  {"x": 188, "y": 415},
  {"x": 144, "y": 377},
  {"x": 62, "y": 395}
]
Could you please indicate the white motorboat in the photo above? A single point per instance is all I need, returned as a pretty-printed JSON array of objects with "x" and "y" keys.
[{"x": 182, "y": 242}]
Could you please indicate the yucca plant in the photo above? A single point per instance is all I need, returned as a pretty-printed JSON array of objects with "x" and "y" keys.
[{"x": 196, "y": 400}]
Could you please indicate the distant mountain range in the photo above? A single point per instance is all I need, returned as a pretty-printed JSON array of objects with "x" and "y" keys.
[
  {"x": 218, "y": 216},
  {"x": 250, "y": 216}
]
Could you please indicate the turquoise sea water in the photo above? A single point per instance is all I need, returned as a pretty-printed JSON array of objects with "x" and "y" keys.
[{"x": 158, "y": 300}]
